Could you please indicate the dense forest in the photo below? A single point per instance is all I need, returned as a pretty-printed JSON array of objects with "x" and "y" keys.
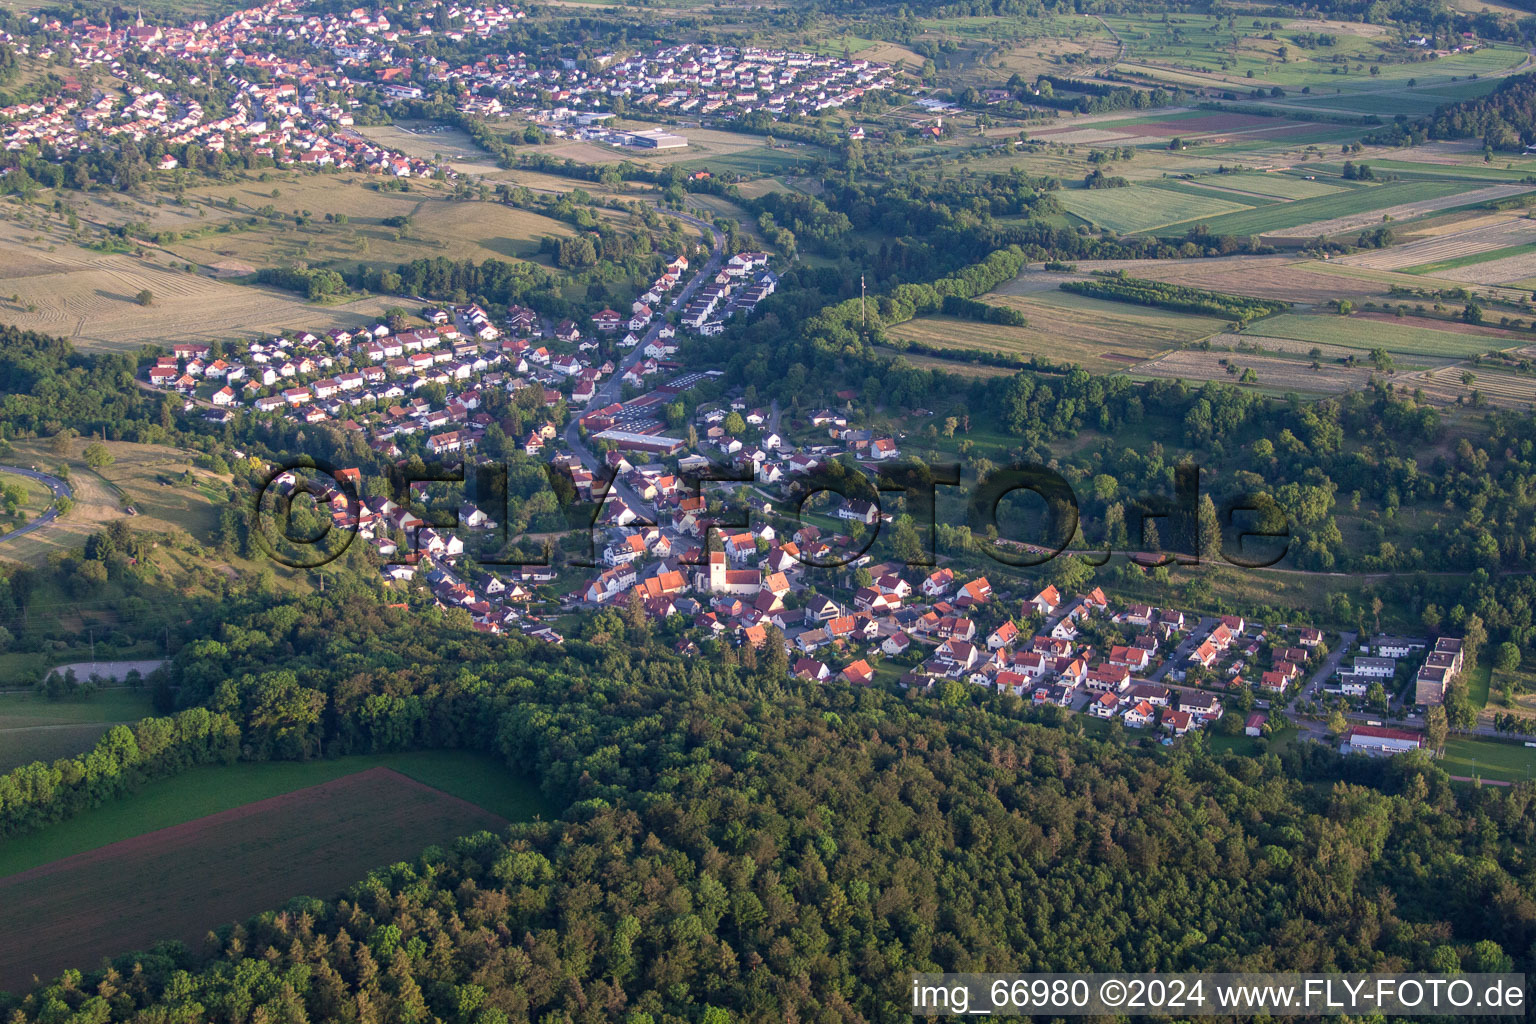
[
  {"x": 792, "y": 852},
  {"x": 1505, "y": 119}
]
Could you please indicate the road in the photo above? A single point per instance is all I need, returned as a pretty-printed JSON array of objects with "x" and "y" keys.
[
  {"x": 1181, "y": 653},
  {"x": 609, "y": 390},
  {"x": 1314, "y": 686},
  {"x": 59, "y": 488}
]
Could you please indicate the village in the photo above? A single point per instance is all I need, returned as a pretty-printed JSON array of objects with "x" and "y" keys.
[
  {"x": 726, "y": 562},
  {"x": 300, "y": 111}
]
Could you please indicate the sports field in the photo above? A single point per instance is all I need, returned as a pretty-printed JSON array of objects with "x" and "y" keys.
[
  {"x": 267, "y": 833},
  {"x": 1359, "y": 332},
  {"x": 1489, "y": 759}
]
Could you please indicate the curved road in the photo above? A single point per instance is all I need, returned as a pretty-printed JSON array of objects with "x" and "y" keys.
[{"x": 59, "y": 488}]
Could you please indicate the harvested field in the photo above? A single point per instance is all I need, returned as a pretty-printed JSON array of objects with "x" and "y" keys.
[
  {"x": 1206, "y": 125},
  {"x": 1385, "y": 279},
  {"x": 1259, "y": 345},
  {"x": 1484, "y": 234},
  {"x": 180, "y": 882},
  {"x": 1397, "y": 335},
  {"x": 1275, "y": 373},
  {"x": 1496, "y": 387},
  {"x": 1518, "y": 266},
  {"x": 1264, "y": 277},
  {"x": 1099, "y": 335},
  {"x": 1459, "y": 196}
]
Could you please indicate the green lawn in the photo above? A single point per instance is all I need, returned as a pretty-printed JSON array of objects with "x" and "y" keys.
[
  {"x": 1478, "y": 681},
  {"x": 482, "y": 779},
  {"x": 1359, "y": 333},
  {"x": 1282, "y": 216},
  {"x": 1489, "y": 759},
  {"x": 1252, "y": 746}
]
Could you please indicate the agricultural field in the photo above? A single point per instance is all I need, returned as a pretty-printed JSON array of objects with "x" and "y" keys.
[
  {"x": 1098, "y": 335},
  {"x": 958, "y": 367},
  {"x": 1460, "y": 159},
  {"x": 1265, "y": 277},
  {"x": 438, "y": 226},
  {"x": 90, "y": 298},
  {"x": 1496, "y": 387},
  {"x": 757, "y": 161},
  {"x": 1276, "y": 374},
  {"x": 1355, "y": 209},
  {"x": 1446, "y": 247},
  {"x": 1496, "y": 265},
  {"x": 1203, "y": 51},
  {"x": 150, "y": 479},
  {"x": 1274, "y": 186},
  {"x": 35, "y": 729},
  {"x": 1207, "y": 128},
  {"x": 1386, "y": 279},
  {"x": 1141, "y": 207},
  {"x": 1397, "y": 335},
  {"x": 311, "y": 841}
]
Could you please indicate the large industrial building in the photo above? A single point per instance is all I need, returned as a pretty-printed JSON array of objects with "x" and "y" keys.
[{"x": 655, "y": 138}]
